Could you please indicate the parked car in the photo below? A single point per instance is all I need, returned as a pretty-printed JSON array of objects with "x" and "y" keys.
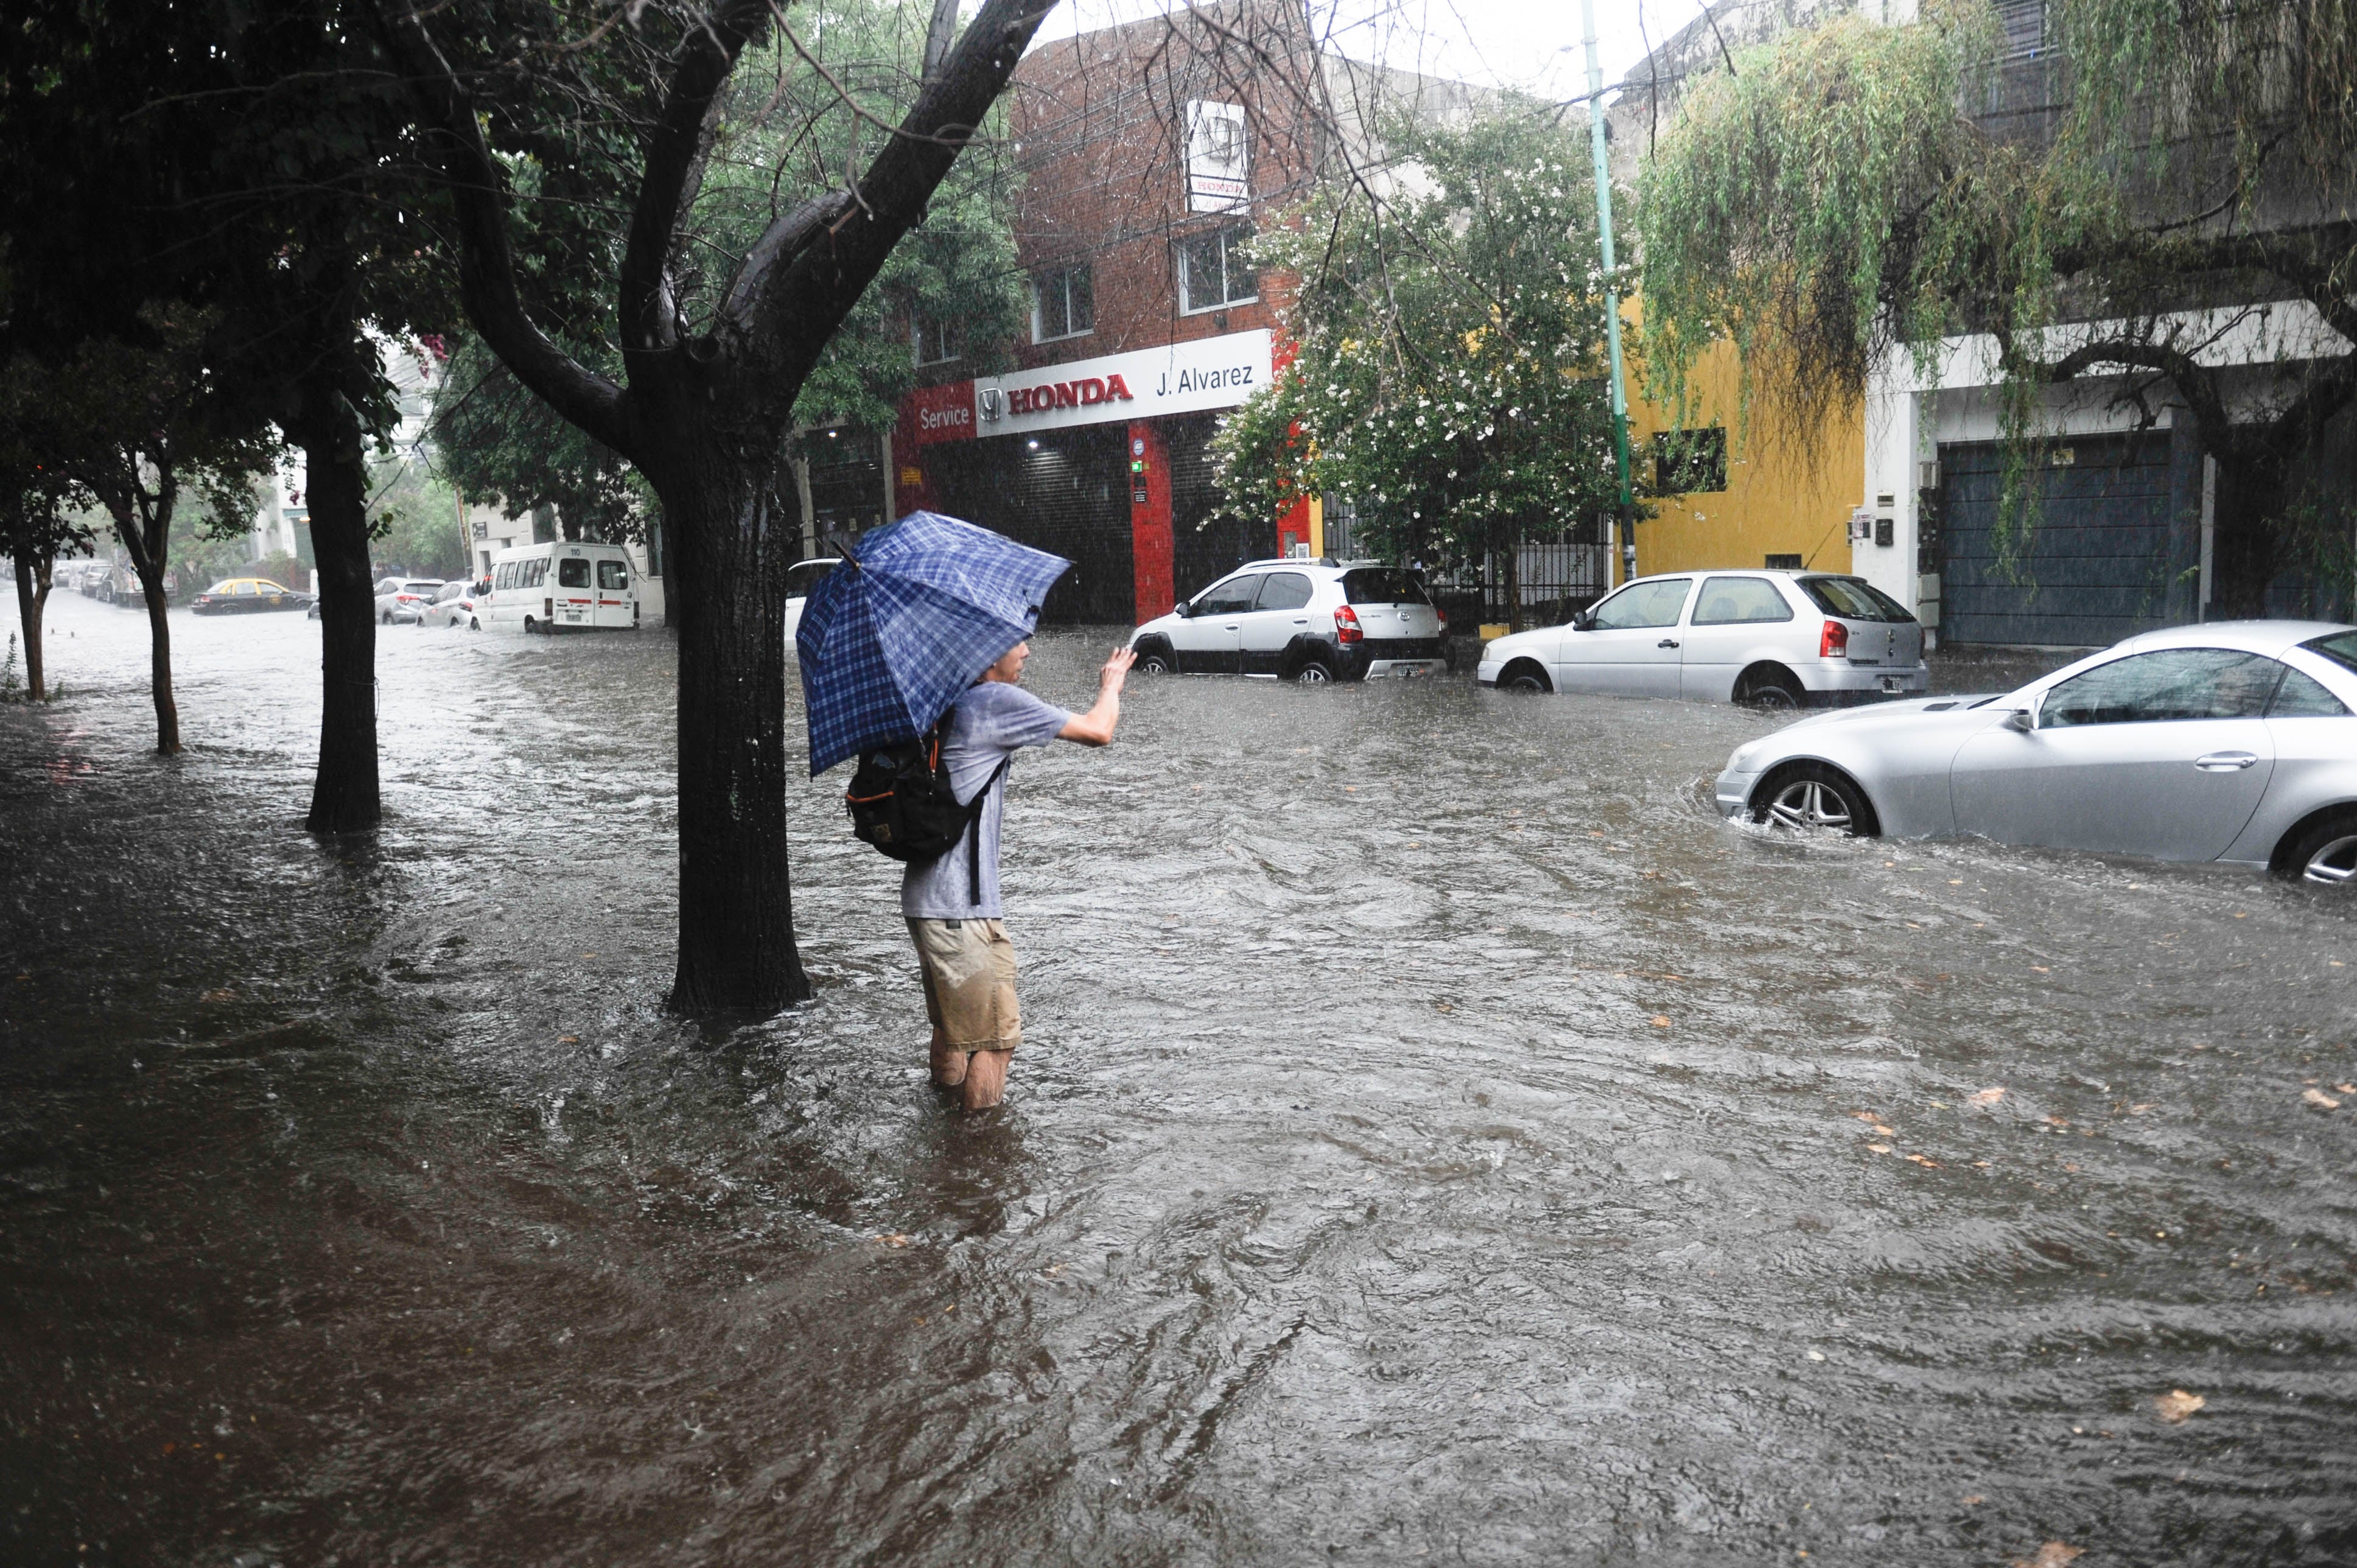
[
  {"x": 1311, "y": 621},
  {"x": 800, "y": 578},
  {"x": 1771, "y": 639},
  {"x": 243, "y": 596},
  {"x": 405, "y": 599},
  {"x": 2235, "y": 741},
  {"x": 454, "y": 604}
]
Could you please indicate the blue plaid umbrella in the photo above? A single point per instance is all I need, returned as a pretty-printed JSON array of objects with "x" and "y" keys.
[{"x": 914, "y": 615}]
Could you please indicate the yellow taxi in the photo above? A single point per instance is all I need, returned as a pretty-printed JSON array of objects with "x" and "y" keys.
[{"x": 239, "y": 596}]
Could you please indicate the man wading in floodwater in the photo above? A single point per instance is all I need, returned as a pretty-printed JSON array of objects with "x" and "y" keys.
[{"x": 962, "y": 946}]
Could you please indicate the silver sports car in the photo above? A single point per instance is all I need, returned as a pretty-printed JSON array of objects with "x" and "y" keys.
[{"x": 2234, "y": 741}]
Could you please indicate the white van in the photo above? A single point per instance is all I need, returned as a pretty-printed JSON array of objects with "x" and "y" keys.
[{"x": 559, "y": 586}]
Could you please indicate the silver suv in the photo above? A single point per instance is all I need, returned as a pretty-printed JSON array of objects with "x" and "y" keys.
[{"x": 1311, "y": 621}]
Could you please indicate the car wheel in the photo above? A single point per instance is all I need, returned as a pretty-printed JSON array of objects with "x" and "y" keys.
[
  {"x": 1524, "y": 677},
  {"x": 1313, "y": 673},
  {"x": 2326, "y": 855},
  {"x": 1814, "y": 801},
  {"x": 474, "y": 625},
  {"x": 1156, "y": 660},
  {"x": 1771, "y": 691}
]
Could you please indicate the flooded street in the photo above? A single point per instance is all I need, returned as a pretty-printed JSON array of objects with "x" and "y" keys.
[{"x": 1437, "y": 1138}]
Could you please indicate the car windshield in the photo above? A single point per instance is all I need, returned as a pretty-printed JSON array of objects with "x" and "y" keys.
[
  {"x": 1382, "y": 585},
  {"x": 2340, "y": 646},
  {"x": 1852, "y": 599}
]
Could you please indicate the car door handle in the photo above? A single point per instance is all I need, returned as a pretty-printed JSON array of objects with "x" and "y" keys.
[
  {"x": 1667, "y": 643},
  {"x": 2225, "y": 762},
  {"x": 1302, "y": 620}
]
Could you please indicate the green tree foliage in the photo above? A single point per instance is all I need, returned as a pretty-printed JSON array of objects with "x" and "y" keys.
[
  {"x": 1449, "y": 377},
  {"x": 1852, "y": 191},
  {"x": 498, "y": 445},
  {"x": 786, "y": 134}
]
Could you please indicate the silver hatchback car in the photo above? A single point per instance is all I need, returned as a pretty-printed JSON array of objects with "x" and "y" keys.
[{"x": 2235, "y": 741}]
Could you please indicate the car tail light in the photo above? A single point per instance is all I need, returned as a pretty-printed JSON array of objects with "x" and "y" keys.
[
  {"x": 1442, "y": 616},
  {"x": 1834, "y": 642},
  {"x": 1346, "y": 625}
]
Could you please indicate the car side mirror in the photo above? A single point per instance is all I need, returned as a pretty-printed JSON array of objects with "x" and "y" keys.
[
  {"x": 2021, "y": 719},
  {"x": 1183, "y": 610}
]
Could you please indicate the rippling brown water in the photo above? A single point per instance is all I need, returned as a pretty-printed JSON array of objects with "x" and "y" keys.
[{"x": 1438, "y": 1139}]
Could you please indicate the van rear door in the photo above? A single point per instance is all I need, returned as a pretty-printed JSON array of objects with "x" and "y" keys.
[
  {"x": 573, "y": 599},
  {"x": 617, "y": 594}
]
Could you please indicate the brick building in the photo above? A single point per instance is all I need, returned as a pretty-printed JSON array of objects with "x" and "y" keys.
[{"x": 1149, "y": 152}]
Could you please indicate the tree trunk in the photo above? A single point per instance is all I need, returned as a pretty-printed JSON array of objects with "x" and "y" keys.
[
  {"x": 1514, "y": 581},
  {"x": 344, "y": 795},
  {"x": 2245, "y": 543},
  {"x": 167, "y": 708},
  {"x": 32, "y": 602},
  {"x": 730, "y": 547}
]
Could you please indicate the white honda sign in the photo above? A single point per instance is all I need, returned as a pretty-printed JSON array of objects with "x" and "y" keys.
[{"x": 1181, "y": 378}]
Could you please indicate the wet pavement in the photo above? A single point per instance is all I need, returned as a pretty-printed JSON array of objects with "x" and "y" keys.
[{"x": 1437, "y": 1139}]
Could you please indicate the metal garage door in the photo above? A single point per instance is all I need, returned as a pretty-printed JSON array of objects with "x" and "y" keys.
[{"x": 2098, "y": 567}]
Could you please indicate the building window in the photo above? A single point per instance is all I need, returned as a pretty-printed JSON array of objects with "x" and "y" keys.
[
  {"x": 1064, "y": 304},
  {"x": 1784, "y": 562},
  {"x": 1213, "y": 272},
  {"x": 934, "y": 338},
  {"x": 1690, "y": 462}
]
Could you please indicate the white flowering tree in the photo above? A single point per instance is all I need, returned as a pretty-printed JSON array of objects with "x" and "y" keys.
[{"x": 1448, "y": 374}]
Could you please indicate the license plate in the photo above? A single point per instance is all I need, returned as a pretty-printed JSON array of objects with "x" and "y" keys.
[{"x": 1408, "y": 671}]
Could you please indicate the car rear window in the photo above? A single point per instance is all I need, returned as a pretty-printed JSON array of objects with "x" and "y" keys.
[
  {"x": 1852, "y": 599},
  {"x": 421, "y": 585},
  {"x": 2340, "y": 646},
  {"x": 1382, "y": 585}
]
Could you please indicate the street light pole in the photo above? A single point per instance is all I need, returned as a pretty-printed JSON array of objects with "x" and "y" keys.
[{"x": 1611, "y": 296}]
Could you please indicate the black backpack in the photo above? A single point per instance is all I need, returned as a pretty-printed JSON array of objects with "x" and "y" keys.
[{"x": 901, "y": 801}]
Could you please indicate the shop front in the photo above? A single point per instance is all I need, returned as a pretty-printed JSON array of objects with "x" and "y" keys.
[{"x": 1103, "y": 461}]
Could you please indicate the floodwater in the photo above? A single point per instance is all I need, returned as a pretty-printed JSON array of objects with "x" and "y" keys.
[{"x": 1436, "y": 1139}]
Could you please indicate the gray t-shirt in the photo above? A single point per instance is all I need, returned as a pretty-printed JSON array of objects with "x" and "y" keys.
[{"x": 988, "y": 725}]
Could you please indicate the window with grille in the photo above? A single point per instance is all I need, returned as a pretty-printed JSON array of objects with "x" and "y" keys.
[
  {"x": 2024, "y": 25},
  {"x": 1064, "y": 304},
  {"x": 1213, "y": 273}
]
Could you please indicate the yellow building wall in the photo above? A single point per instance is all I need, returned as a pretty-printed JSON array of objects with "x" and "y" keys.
[{"x": 1783, "y": 497}]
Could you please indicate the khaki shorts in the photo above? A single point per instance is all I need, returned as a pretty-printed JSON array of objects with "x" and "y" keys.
[{"x": 969, "y": 969}]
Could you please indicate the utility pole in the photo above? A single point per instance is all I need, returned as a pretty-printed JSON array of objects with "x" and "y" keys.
[{"x": 1628, "y": 526}]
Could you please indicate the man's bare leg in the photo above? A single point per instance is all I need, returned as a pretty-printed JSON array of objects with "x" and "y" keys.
[
  {"x": 949, "y": 1066},
  {"x": 985, "y": 1078}
]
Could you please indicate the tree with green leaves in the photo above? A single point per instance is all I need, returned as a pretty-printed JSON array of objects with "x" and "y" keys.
[
  {"x": 500, "y": 443},
  {"x": 715, "y": 341},
  {"x": 37, "y": 525},
  {"x": 134, "y": 422},
  {"x": 253, "y": 169},
  {"x": 1449, "y": 369},
  {"x": 1851, "y": 192}
]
